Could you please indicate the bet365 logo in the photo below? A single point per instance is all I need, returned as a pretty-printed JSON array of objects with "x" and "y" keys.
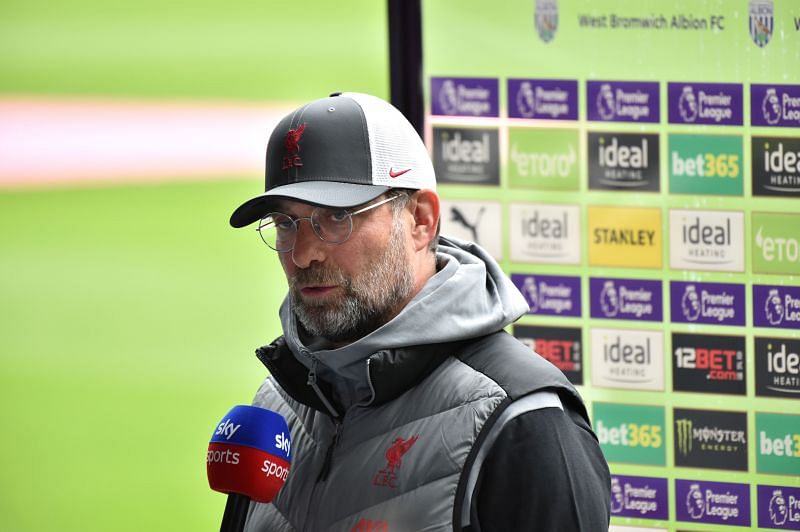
[
  {"x": 630, "y": 433},
  {"x": 705, "y": 164},
  {"x": 778, "y": 443}
]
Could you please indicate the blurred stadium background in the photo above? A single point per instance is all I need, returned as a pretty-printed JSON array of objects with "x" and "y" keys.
[{"x": 130, "y": 309}]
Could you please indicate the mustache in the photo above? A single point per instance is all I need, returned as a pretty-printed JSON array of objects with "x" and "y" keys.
[{"x": 318, "y": 275}]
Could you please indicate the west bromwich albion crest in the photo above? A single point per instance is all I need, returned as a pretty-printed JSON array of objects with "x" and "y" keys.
[{"x": 762, "y": 21}]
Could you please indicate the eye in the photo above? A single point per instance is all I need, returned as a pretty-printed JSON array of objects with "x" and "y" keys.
[{"x": 338, "y": 216}]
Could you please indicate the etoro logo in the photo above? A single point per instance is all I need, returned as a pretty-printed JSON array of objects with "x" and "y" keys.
[
  {"x": 706, "y": 240},
  {"x": 630, "y": 359},
  {"x": 630, "y": 433},
  {"x": 777, "y": 367},
  {"x": 708, "y": 363},
  {"x": 776, "y": 243},
  {"x": 710, "y": 439},
  {"x": 778, "y": 444},
  {"x": 543, "y": 159}
]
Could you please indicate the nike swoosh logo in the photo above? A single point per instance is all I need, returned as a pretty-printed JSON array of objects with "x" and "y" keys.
[{"x": 392, "y": 173}]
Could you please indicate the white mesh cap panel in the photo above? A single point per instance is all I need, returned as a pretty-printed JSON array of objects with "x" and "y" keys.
[{"x": 395, "y": 146}]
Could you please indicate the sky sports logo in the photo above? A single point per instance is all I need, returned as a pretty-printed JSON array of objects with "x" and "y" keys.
[
  {"x": 775, "y": 105},
  {"x": 706, "y": 240},
  {"x": 639, "y": 497},
  {"x": 545, "y": 233},
  {"x": 550, "y": 295},
  {"x": 628, "y": 359},
  {"x": 776, "y": 166},
  {"x": 561, "y": 346},
  {"x": 708, "y": 364},
  {"x": 710, "y": 439},
  {"x": 709, "y": 303},
  {"x": 776, "y": 306},
  {"x": 476, "y": 221},
  {"x": 776, "y": 243},
  {"x": 777, "y": 367},
  {"x": 716, "y": 104},
  {"x": 543, "y": 159},
  {"x": 623, "y": 101},
  {"x": 466, "y": 155},
  {"x": 624, "y": 161},
  {"x": 632, "y": 434},
  {"x": 705, "y": 164},
  {"x": 549, "y": 99},
  {"x": 703, "y": 501},
  {"x": 625, "y": 299},
  {"x": 475, "y": 97},
  {"x": 626, "y": 237}
]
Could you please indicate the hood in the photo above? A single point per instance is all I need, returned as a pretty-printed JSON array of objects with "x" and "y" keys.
[{"x": 469, "y": 296}]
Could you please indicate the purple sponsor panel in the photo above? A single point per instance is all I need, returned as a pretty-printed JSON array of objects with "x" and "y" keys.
[
  {"x": 709, "y": 303},
  {"x": 550, "y": 295},
  {"x": 550, "y": 99},
  {"x": 776, "y": 306},
  {"x": 625, "y": 299},
  {"x": 723, "y": 503},
  {"x": 639, "y": 497},
  {"x": 779, "y": 507},
  {"x": 716, "y": 104},
  {"x": 623, "y": 101},
  {"x": 775, "y": 105},
  {"x": 476, "y": 97}
]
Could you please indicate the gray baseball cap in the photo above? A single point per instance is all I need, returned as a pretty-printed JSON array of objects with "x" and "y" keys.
[{"x": 340, "y": 151}]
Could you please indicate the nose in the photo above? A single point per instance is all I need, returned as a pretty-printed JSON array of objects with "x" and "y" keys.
[{"x": 308, "y": 247}]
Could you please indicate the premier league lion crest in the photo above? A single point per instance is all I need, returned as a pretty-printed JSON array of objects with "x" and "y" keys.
[
  {"x": 762, "y": 21},
  {"x": 545, "y": 17}
]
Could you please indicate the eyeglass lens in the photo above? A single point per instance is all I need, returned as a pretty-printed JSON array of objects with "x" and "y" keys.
[{"x": 279, "y": 231}]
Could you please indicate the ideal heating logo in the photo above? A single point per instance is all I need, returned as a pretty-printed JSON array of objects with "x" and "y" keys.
[
  {"x": 776, "y": 243},
  {"x": 777, "y": 367},
  {"x": 624, "y": 161},
  {"x": 706, "y": 240},
  {"x": 631, "y": 359},
  {"x": 776, "y": 166},
  {"x": 466, "y": 155},
  {"x": 545, "y": 233}
]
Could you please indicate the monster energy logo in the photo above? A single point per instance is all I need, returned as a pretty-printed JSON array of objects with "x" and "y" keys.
[{"x": 683, "y": 427}]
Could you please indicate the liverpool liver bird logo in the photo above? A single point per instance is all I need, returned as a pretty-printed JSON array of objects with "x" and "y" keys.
[
  {"x": 394, "y": 458},
  {"x": 292, "y": 145}
]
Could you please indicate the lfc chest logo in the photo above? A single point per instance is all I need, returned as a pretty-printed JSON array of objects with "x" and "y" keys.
[{"x": 394, "y": 459}]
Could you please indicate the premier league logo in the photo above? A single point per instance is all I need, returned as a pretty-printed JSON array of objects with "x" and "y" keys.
[
  {"x": 761, "y": 21},
  {"x": 605, "y": 102},
  {"x": 771, "y": 107},
  {"x": 617, "y": 498},
  {"x": 526, "y": 100},
  {"x": 773, "y": 308},
  {"x": 778, "y": 511},
  {"x": 687, "y": 104},
  {"x": 609, "y": 299},
  {"x": 532, "y": 292},
  {"x": 694, "y": 502},
  {"x": 690, "y": 303},
  {"x": 448, "y": 97},
  {"x": 545, "y": 17}
]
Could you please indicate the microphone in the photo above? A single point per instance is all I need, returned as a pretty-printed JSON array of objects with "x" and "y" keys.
[{"x": 248, "y": 457}]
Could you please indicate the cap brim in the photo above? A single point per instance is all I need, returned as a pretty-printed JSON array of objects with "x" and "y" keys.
[{"x": 320, "y": 193}]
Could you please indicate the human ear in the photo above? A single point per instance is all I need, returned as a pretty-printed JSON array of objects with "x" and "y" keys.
[{"x": 425, "y": 213}]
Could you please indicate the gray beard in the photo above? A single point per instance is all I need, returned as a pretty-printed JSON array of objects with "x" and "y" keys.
[{"x": 369, "y": 301}]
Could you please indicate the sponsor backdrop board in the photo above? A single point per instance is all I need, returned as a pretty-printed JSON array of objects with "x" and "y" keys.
[{"x": 635, "y": 167}]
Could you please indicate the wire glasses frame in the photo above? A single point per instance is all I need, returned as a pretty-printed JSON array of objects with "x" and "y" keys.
[{"x": 279, "y": 230}]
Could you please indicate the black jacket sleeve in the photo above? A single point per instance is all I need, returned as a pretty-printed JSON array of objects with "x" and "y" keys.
[{"x": 545, "y": 472}]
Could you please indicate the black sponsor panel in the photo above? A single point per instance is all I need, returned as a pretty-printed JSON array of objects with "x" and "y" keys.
[
  {"x": 776, "y": 166},
  {"x": 708, "y": 364},
  {"x": 624, "y": 161},
  {"x": 562, "y": 346},
  {"x": 777, "y": 367},
  {"x": 710, "y": 439},
  {"x": 466, "y": 155}
]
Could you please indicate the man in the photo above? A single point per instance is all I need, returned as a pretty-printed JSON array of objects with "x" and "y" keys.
[{"x": 409, "y": 406}]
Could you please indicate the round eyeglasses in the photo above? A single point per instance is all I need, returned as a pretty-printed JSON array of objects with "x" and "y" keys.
[{"x": 279, "y": 230}]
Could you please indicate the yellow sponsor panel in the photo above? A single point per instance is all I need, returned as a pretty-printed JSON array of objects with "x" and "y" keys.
[{"x": 625, "y": 237}]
